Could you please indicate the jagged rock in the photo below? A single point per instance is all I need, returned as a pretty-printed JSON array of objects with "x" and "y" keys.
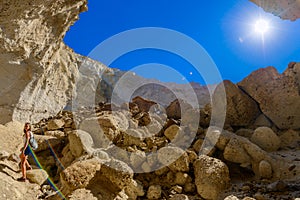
[
  {"x": 268, "y": 88},
  {"x": 174, "y": 157},
  {"x": 78, "y": 175},
  {"x": 118, "y": 172},
  {"x": 114, "y": 121},
  {"x": 176, "y": 107},
  {"x": 289, "y": 138},
  {"x": 211, "y": 177},
  {"x": 144, "y": 105},
  {"x": 154, "y": 192},
  {"x": 68, "y": 157},
  {"x": 80, "y": 142},
  {"x": 265, "y": 138},
  {"x": 55, "y": 124},
  {"x": 44, "y": 142},
  {"x": 241, "y": 110},
  {"x": 82, "y": 194},
  {"x": 38, "y": 176},
  {"x": 92, "y": 127},
  {"x": 265, "y": 169}
]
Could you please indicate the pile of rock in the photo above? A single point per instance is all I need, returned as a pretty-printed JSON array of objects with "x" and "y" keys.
[{"x": 142, "y": 150}]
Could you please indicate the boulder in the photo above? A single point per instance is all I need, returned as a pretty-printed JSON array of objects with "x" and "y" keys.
[
  {"x": 44, "y": 142},
  {"x": 144, "y": 105},
  {"x": 80, "y": 142},
  {"x": 241, "y": 110},
  {"x": 55, "y": 124},
  {"x": 91, "y": 126},
  {"x": 290, "y": 138},
  {"x": 234, "y": 152},
  {"x": 265, "y": 138},
  {"x": 176, "y": 107},
  {"x": 211, "y": 177},
  {"x": 78, "y": 175},
  {"x": 174, "y": 157},
  {"x": 277, "y": 94},
  {"x": 38, "y": 176}
]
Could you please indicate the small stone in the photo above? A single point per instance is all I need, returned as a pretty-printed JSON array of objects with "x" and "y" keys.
[
  {"x": 259, "y": 196},
  {"x": 189, "y": 187},
  {"x": 231, "y": 197},
  {"x": 248, "y": 198},
  {"x": 246, "y": 188},
  {"x": 154, "y": 192},
  {"x": 179, "y": 197},
  {"x": 172, "y": 131},
  {"x": 177, "y": 189},
  {"x": 181, "y": 178},
  {"x": 265, "y": 169}
]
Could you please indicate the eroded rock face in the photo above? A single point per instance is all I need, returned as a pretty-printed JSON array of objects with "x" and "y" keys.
[
  {"x": 241, "y": 110},
  {"x": 268, "y": 88},
  {"x": 284, "y": 9},
  {"x": 37, "y": 70}
]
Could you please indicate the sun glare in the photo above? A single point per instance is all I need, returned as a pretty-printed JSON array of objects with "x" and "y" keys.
[{"x": 261, "y": 26}]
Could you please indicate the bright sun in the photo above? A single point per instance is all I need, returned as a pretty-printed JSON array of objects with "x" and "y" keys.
[{"x": 262, "y": 26}]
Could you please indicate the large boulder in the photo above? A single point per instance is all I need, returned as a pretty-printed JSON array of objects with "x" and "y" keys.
[
  {"x": 38, "y": 176},
  {"x": 265, "y": 138},
  {"x": 80, "y": 142},
  {"x": 211, "y": 177},
  {"x": 277, "y": 94},
  {"x": 241, "y": 110},
  {"x": 78, "y": 175}
]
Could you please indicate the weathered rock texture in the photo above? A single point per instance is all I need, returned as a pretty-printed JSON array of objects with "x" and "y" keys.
[
  {"x": 241, "y": 110},
  {"x": 285, "y": 9},
  {"x": 278, "y": 95},
  {"x": 40, "y": 75},
  {"x": 37, "y": 69}
]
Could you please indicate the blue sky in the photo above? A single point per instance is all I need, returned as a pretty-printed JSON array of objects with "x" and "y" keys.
[{"x": 225, "y": 29}]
